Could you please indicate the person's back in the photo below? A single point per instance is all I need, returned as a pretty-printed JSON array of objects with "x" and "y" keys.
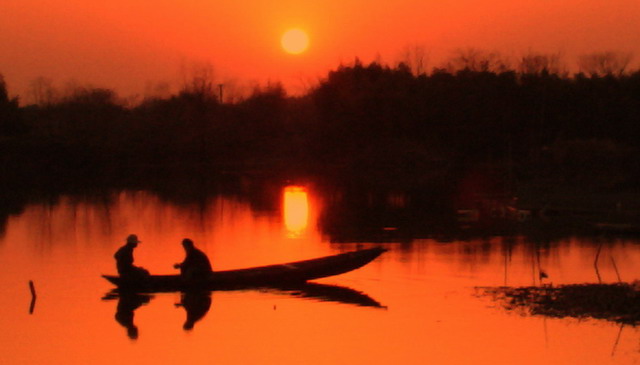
[
  {"x": 198, "y": 261},
  {"x": 196, "y": 264},
  {"x": 124, "y": 259}
]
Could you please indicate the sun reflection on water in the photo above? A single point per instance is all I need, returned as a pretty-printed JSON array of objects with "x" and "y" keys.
[{"x": 295, "y": 210}]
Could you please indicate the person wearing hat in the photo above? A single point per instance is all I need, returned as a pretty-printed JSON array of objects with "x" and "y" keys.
[
  {"x": 124, "y": 259},
  {"x": 196, "y": 265}
]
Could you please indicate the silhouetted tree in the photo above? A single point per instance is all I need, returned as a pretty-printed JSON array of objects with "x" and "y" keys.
[
  {"x": 415, "y": 58},
  {"x": 366, "y": 123},
  {"x": 42, "y": 91},
  {"x": 538, "y": 63},
  {"x": 477, "y": 60},
  {"x": 198, "y": 81},
  {"x": 605, "y": 63},
  {"x": 10, "y": 120}
]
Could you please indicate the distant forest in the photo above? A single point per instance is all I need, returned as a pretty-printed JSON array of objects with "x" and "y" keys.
[{"x": 363, "y": 122}]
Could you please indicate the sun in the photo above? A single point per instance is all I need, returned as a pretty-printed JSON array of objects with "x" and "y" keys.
[{"x": 295, "y": 41}]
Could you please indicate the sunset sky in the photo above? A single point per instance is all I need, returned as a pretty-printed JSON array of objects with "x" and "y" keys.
[{"x": 128, "y": 45}]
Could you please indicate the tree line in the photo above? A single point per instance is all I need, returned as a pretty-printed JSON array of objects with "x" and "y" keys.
[{"x": 369, "y": 122}]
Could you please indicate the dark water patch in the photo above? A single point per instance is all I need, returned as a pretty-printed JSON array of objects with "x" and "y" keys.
[{"x": 613, "y": 302}]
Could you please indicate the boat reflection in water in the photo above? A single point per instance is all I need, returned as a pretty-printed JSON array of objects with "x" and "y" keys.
[
  {"x": 197, "y": 303},
  {"x": 330, "y": 293}
]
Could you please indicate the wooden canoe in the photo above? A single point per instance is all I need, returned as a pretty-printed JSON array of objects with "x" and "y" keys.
[{"x": 272, "y": 275}]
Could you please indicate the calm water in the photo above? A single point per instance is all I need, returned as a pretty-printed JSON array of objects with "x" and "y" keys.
[{"x": 416, "y": 304}]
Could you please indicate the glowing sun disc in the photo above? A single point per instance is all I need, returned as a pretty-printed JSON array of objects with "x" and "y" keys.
[{"x": 294, "y": 41}]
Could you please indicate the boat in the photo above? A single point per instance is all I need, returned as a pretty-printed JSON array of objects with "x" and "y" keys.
[{"x": 264, "y": 276}]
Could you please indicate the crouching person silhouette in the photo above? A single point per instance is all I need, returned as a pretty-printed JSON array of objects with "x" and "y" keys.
[
  {"x": 196, "y": 268},
  {"x": 124, "y": 260}
]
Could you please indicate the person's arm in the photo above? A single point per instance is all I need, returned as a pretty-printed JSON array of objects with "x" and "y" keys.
[{"x": 181, "y": 264}]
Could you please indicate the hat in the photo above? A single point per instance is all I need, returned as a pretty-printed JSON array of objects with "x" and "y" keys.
[{"x": 132, "y": 238}]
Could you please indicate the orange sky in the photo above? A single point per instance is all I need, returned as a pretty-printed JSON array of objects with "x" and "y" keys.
[{"x": 125, "y": 44}]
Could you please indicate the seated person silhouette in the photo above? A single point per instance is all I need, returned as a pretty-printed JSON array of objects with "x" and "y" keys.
[
  {"x": 124, "y": 260},
  {"x": 196, "y": 267}
]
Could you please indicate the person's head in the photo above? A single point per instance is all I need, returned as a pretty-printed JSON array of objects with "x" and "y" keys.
[
  {"x": 132, "y": 240},
  {"x": 187, "y": 244}
]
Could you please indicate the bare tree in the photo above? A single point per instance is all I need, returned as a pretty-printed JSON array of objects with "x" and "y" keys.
[
  {"x": 537, "y": 63},
  {"x": 604, "y": 63},
  {"x": 42, "y": 92},
  {"x": 416, "y": 58},
  {"x": 477, "y": 60},
  {"x": 198, "y": 78}
]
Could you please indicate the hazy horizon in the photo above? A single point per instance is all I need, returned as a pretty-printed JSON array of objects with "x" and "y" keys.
[{"x": 129, "y": 46}]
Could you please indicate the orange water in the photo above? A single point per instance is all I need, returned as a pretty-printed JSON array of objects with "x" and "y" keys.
[{"x": 430, "y": 312}]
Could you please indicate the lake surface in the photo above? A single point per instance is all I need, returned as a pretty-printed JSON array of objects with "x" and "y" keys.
[{"x": 418, "y": 303}]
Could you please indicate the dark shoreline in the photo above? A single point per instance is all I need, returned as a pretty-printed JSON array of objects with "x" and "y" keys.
[{"x": 552, "y": 148}]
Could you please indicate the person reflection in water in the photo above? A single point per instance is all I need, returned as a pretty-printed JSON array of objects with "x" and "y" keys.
[
  {"x": 127, "y": 304},
  {"x": 196, "y": 304},
  {"x": 196, "y": 266},
  {"x": 124, "y": 260}
]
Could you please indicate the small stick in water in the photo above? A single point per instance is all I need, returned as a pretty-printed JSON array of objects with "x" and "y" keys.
[
  {"x": 33, "y": 289},
  {"x": 33, "y": 297}
]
